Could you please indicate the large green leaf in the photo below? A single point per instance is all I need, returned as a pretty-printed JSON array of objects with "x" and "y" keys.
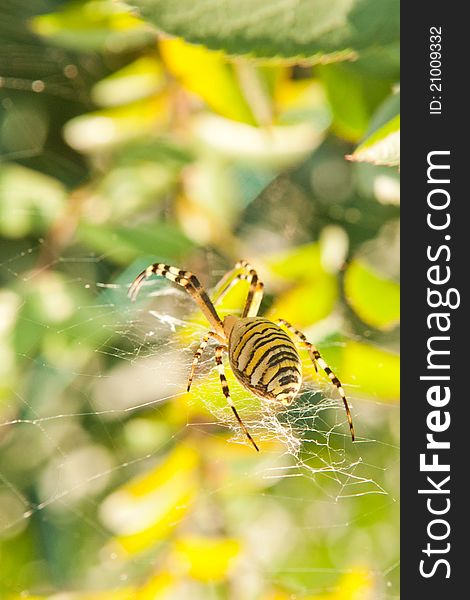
[
  {"x": 354, "y": 97},
  {"x": 305, "y": 29}
]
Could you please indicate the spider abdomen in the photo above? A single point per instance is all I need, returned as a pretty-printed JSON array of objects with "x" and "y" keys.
[{"x": 264, "y": 359}]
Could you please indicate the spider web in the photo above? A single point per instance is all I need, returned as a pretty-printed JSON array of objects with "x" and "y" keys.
[
  {"x": 63, "y": 428},
  {"x": 308, "y": 441},
  {"x": 314, "y": 425}
]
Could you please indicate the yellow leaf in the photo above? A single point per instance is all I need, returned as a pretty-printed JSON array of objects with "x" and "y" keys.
[
  {"x": 307, "y": 302},
  {"x": 135, "y": 81},
  {"x": 207, "y": 74},
  {"x": 371, "y": 370},
  {"x": 356, "y": 585},
  {"x": 301, "y": 262},
  {"x": 314, "y": 291},
  {"x": 207, "y": 559},
  {"x": 122, "y": 594},
  {"x": 110, "y": 126},
  {"x": 148, "y": 508},
  {"x": 93, "y": 25},
  {"x": 298, "y": 99},
  {"x": 157, "y": 587},
  {"x": 298, "y": 93},
  {"x": 375, "y": 299}
]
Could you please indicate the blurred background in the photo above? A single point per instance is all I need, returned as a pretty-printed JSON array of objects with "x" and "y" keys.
[{"x": 247, "y": 130}]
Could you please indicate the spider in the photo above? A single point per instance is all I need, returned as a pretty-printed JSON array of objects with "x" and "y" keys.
[{"x": 261, "y": 354}]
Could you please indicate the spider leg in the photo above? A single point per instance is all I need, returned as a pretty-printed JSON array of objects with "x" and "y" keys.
[
  {"x": 223, "y": 380},
  {"x": 198, "y": 354},
  {"x": 317, "y": 359},
  {"x": 255, "y": 295},
  {"x": 242, "y": 271},
  {"x": 189, "y": 282}
]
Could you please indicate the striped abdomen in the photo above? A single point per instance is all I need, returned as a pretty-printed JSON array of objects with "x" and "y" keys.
[{"x": 265, "y": 359}]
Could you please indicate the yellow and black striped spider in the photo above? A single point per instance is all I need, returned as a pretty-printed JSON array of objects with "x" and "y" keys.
[{"x": 262, "y": 356}]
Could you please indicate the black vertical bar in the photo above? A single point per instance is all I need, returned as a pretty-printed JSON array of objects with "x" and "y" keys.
[{"x": 435, "y": 118}]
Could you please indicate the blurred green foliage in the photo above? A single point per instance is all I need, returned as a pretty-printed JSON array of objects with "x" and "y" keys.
[{"x": 275, "y": 138}]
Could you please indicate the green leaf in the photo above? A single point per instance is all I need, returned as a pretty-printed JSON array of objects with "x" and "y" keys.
[
  {"x": 124, "y": 244},
  {"x": 280, "y": 29},
  {"x": 158, "y": 150},
  {"x": 386, "y": 111},
  {"x": 353, "y": 96},
  {"x": 29, "y": 200},
  {"x": 382, "y": 147},
  {"x": 93, "y": 25},
  {"x": 381, "y": 61}
]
